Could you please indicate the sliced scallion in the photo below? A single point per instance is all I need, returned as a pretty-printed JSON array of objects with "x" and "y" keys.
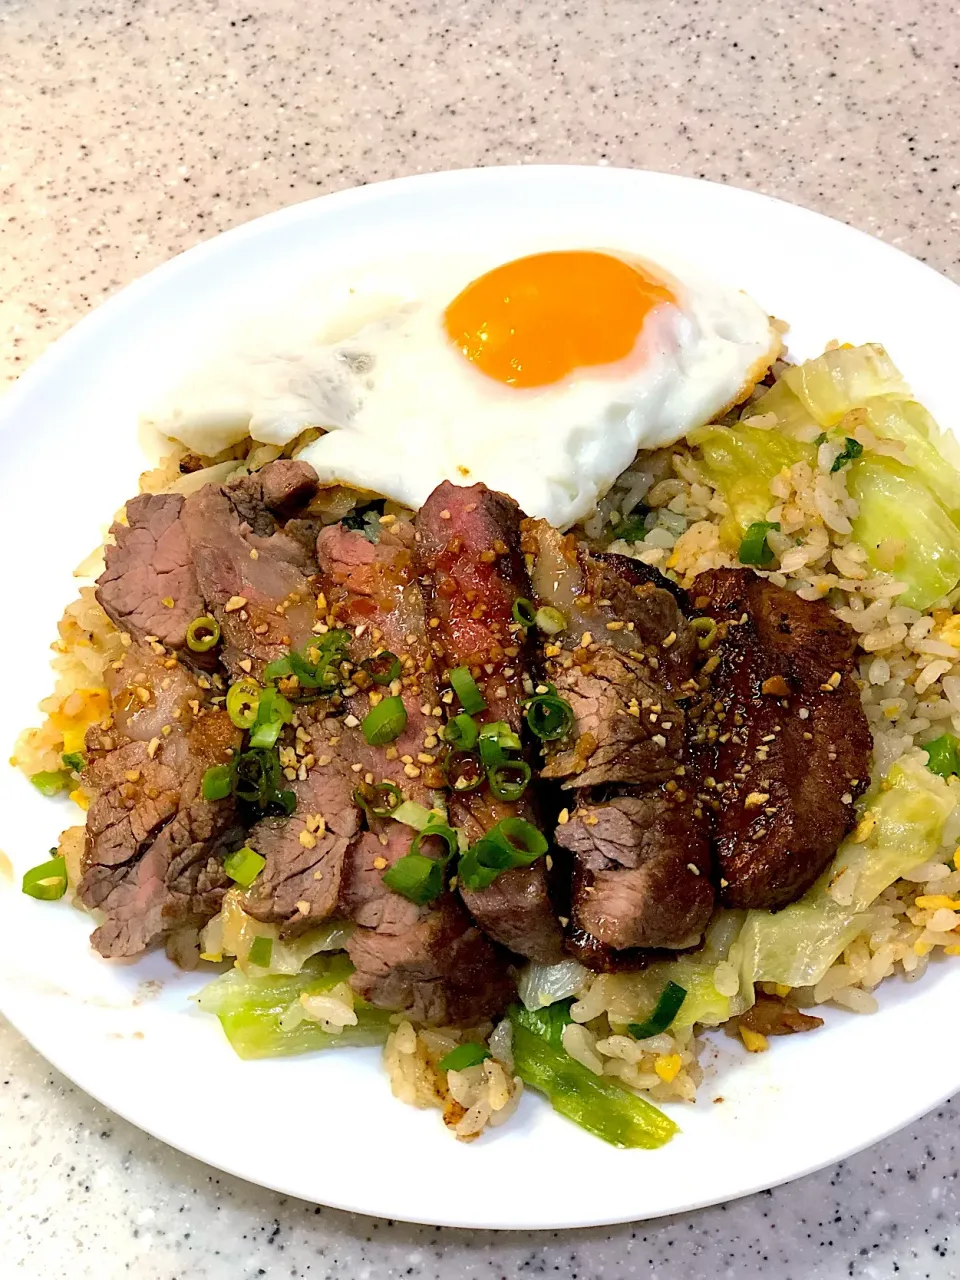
[
  {"x": 244, "y": 866},
  {"x": 468, "y": 1054},
  {"x": 273, "y": 712},
  {"x": 385, "y": 722},
  {"x": 48, "y": 881},
  {"x": 943, "y": 755},
  {"x": 667, "y": 1007},
  {"x": 705, "y": 630},
  {"x": 463, "y": 771},
  {"x": 218, "y": 782},
  {"x": 549, "y": 717},
  {"x": 412, "y": 814},
  {"x": 467, "y": 690},
  {"x": 203, "y": 633},
  {"x": 509, "y": 780},
  {"x": 550, "y": 621},
  {"x": 753, "y": 548},
  {"x": 513, "y": 842},
  {"x": 73, "y": 760},
  {"x": 462, "y": 732},
  {"x": 524, "y": 613},
  {"x": 416, "y": 877},
  {"x": 382, "y": 668},
  {"x": 851, "y": 449},
  {"x": 438, "y": 828}
]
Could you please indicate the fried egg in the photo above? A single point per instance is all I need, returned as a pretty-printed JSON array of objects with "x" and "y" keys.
[{"x": 541, "y": 376}]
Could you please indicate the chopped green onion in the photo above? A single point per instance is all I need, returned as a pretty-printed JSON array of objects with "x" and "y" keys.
[
  {"x": 261, "y": 952},
  {"x": 550, "y": 621},
  {"x": 462, "y": 732},
  {"x": 416, "y": 877},
  {"x": 437, "y": 827},
  {"x": 50, "y": 783},
  {"x": 821, "y": 438},
  {"x": 467, "y": 690},
  {"x": 852, "y": 449},
  {"x": 463, "y": 771},
  {"x": 273, "y": 712},
  {"x": 705, "y": 630},
  {"x": 547, "y": 1022},
  {"x": 74, "y": 760},
  {"x": 203, "y": 633},
  {"x": 549, "y": 717},
  {"x": 243, "y": 702},
  {"x": 668, "y": 1006},
  {"x": 943, "y": 755},
  {"x": 524, "y": 612},
  {"x": 287, "y": 800},
  {"x": 412, "y": 814},
  {"x": 366, "y": 795},
  {"x": 496, "y": 739},
  {"x": 508, "y": 780},
  {"x": 218, "y": 782},
  {"x": 244, "y": 866},
  {"x": 279, "y": 669},
  {"x": 48, "y": 881},
  {"x": 382, "y": 668},
  {"x": 469, "y": 1054},
  {"x": 513, "y": 842},
  {"x": 632, "y": 529},
  {"x": 384, "y": 722},
  {"x": 753, "y": 548}
]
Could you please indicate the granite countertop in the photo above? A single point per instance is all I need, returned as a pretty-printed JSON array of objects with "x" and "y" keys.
[{"x": 132, "y": 131}]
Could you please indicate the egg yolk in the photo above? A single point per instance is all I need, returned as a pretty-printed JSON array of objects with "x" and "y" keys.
[{"x": 533, "y": 321}]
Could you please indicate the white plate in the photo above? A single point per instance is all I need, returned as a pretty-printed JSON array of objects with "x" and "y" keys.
[{"x": 325, "y": 1127}]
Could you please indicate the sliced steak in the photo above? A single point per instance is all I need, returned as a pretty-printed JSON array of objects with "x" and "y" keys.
[
  {"x": 469, "y": 552},
  {"x": 645, "y": 872},
  {"x": 428, "y": 962},
  {"x": 153, "y": 857},
  {"x": 785, "y": 739},
  {"x": 149, "y": 586}
]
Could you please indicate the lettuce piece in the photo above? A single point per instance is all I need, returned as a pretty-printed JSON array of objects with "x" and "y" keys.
[
  {"x": 742, "y": 461},
  {"x": 926, "y": 448},
  {"x": 897, "y": 506},
  {"x": 838, "y": 381},
  {"x": 250, "y": 1010},
  {"x": 798, "y": 945},
  {"x": 544, "y": 984},
  {"x": 780, "y": 400}
]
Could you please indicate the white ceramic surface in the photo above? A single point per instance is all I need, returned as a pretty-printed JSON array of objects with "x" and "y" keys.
[{"x": 326, "y": 1127}]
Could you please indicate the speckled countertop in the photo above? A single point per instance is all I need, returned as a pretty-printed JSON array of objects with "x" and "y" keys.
[{"x": 129, "y": 132}]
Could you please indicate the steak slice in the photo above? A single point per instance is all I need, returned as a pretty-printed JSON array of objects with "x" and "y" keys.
[
  {"x": 176, "y": 559},
  {"x": 150, "y": 562},
  {"x": 785, "y": 741},
  {"x": 153, "y": 856},
  {"x": 469, "y": 551},
  {"x": 429, "y": 962},
  {"x": 644, "y": 864}
]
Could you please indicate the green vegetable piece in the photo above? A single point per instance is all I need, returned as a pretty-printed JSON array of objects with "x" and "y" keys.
[
  {"x": 74, "y": 760},
  {"x": 753, "y": 548},
  {"x": 251, "y": 1010},
  {"x": 243, "y": 702},
  {"x": 48, "y": 881},
  {"x": 416, "y": 877},
  {"x": 279, "y": 669},
  {"x": 524, "y": 613},
  {"x": 50, "y": 783},
  {"x": 273, "y": 712},
  {"x": 852, "y": 449},
  {"x": 549, "y": 717},
  {"x": 840, "y": 380},
  {"x": 509, "y": 780},
  {"x": 261, "y": 951},
  {"x": 550, "y": 621},
  {"x": 218, "y": 782},
  {"x": 382, "y": 668},
  {"x": 462, "y": 732},
  {"x": 593, "y": 1102},
  {"x": 633, "y": 529},
  {"x": 244, "y": 866},
  {"x": 467, "y": 690},
  {"x": 412, "y": 814},
  {"x": 547, "y": 1021},
  {"x": 202, "y": 634},
  {"x": 668, "y": 1006},
  {"x": 512, "y": 842},
  {"x": 743, "y": 461},
  {"x": 385, "y": 722},
  {"x": 463, "y": 771},
  {"x": 943, "y": 755},
  {"x": 469, "y": 1054},
  {"x": 898, "y": 510}
]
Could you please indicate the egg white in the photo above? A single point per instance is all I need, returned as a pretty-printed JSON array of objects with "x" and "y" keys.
[{"x": 368, "y": 361}]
